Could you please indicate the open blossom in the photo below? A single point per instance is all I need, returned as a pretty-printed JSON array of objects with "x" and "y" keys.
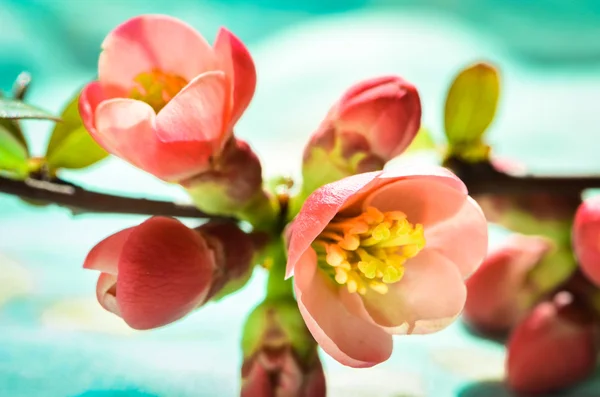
[
  {"x": 383, "y": 253},
  {"x": 586, "y": 238},
  {"x": 553, "y": 348},
  {"x": 165, "y": 100},
  {"x": 498, "y": 294},
  {"x": 374, "y": 121},
  {"x": 159, "y": 271}
]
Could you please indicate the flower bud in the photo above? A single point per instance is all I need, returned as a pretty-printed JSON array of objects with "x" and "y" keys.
[
  {"x": 374, "y": 121},
  {"x": 280, "y": 356},
  {"x": 157, "y": 272},
  {"x": 553, "y": 348},
  {"x": 232, "y": 186},
  {"x": 586, "y": 238},
  {"x": 498, "y": 294}
]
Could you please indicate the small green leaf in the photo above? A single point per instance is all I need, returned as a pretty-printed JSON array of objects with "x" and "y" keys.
[
  {"x": 422, "y": 141},
  {"x": 471, "y": 104},
  {"x": 13, "y": 155},
  {"x": 14, "y": 109},
  {"x": 12, "y": 126},
  {"x": 71, "y": 145}
]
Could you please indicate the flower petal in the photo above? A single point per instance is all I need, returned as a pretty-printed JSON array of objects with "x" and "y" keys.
[
  {"x": 165, "y": 271},
  {"x": 124, "y": 127},
  {"x": 462, "y": 238},
  {"x": 105, "y": 293},
  {"x": 91, "y": 96},
  {"x": 318, "y": 210},
  {"x": 151, "y": 42},
  {"x": 199, "y": 112},
  {"x": 428, "y": 297},
  {"x": 105, "y": 255},
  {"x": 235, "y": 60},
  {"x": 347, "y": 338},
  {"x": 425, "y": 200},
  {"x": 586, "y": 238}
]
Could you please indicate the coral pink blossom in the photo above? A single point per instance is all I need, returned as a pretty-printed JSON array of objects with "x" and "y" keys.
[
  {"x": 383, "y": 253},
  {"x": 154, "y": 273},
  {"x": 586, "y": 238},
  {"x": 553, "y": 348},
  {"x": 498, "y": 293},
  {"x": 380, "y": 116},
  {"x": 165, "y": 100}
]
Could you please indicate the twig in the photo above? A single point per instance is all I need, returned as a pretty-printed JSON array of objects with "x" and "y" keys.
[
  {"x": 482, "y": 178},
  {"x": 80, "y": 200}
]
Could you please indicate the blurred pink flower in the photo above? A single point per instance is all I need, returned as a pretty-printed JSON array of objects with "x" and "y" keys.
[
  {"x": 497, "y": 293},
  {"x": 383, "y": 253},
  {"x": 553, "y": 348},
  {"x": 165, "y": 100},
  {"x": 586, "y": 238},
  {"x": 159, "y": 271}
]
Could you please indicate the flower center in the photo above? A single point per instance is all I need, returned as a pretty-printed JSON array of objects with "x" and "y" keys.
[
  {"x": 368, "y": 250},
  {"x": 156, "y": 88}
]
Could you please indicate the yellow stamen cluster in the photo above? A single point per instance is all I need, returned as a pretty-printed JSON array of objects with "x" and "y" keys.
[
  {"x": 156, "y": 88},
  {"x": 368, "y": 250}
]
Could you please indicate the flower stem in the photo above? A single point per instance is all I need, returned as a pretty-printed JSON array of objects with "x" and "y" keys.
[{"x": 277, "y": 286}]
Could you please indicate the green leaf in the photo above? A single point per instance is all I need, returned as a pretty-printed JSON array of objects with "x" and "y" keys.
[
  {"x": 471, "y": 104},
  {"x": 13, "y": 154},
  {"x": 71, "y": 145},
  {"x": 422, "y": 141},
  {"x": 14, "y": 109}
]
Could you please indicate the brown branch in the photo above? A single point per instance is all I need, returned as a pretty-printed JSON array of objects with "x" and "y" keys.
[
  {"x": 482, "y": 178},
  {"x": 80, "y": 200}
]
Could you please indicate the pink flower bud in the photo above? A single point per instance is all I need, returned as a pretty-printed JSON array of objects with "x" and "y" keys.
[
  {"x": 586, "y": 238},
  {"x": 280, "y": 355},
  {"x": 374, "y": 121},
  {"x": 553, "y": 348},
  {"x": 498, "y": 294},
  {"x": 167, "y": 108},
  {"x": 159, "y": 271}
]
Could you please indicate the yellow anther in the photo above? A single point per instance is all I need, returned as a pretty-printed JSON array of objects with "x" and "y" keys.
[
  {"x": 369, "y": 269},
  {"x": 369, "y": 251},
  {"x": 392, "y": 274},
  {"x": 156, "y": 88},
  {"x": 379, "y": 287},
  {"x": 350, "y": 242},
  {"x": 335, "y": 255}
]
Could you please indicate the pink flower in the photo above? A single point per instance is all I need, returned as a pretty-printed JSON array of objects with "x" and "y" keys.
[
  {"x": 498, "y": 293},
  {"x": 553, "y": 348},
  {"x": 377, "y": 118},
  {"x": 159, "y": 271},
  {"x": 383, "y": 253},
  {"x": 586, "y": 238},
  {"x": 165, "y": 100}
]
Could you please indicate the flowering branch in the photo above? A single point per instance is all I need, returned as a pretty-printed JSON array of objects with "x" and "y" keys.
[
  {"x": 483, "y": 178},
  {"x": 79, "y": 200}
]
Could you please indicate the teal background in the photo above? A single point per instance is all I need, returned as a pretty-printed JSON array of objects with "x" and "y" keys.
[{"x": 55, "y": 340}]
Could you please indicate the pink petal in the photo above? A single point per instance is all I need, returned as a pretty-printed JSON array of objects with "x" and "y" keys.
[
  {"x": 105, "y": 293},
  {"x": 425, "y": 200},
  {"x": 124, "y": 127},
  {"x": 586, "y": 238},
  {"x": 199, "y": 112},
  {"x": 165, "y": 271},
  {"x": 347, "y": 338},
  {"x": 318, "y": 210},
  {"x": 91, "y": 96},
  {"x": 428, "y": 297},
  {"x": 237, "y": 63},
  {"x": 462, "y": 238},
  {"x": 150, "y": 42},
  {"x": 105, "y": 255}
]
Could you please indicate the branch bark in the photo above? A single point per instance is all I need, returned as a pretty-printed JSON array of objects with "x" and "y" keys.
[{"x": 80, "y": 200}]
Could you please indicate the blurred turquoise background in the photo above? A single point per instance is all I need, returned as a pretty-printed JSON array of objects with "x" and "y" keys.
[{"x": 55, "y": 340}]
